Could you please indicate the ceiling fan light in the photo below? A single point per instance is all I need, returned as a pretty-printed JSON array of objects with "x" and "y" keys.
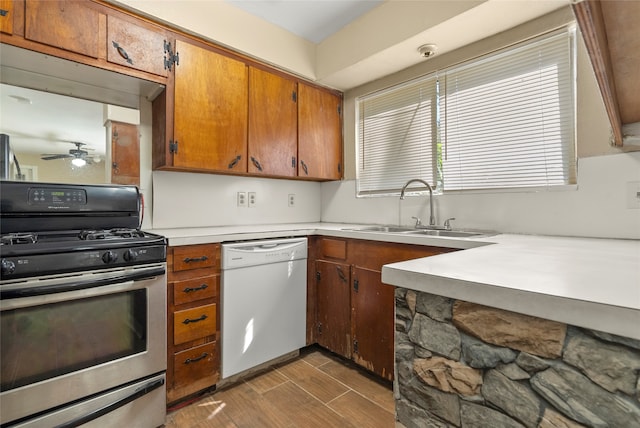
[{"x": 79, "y": 162}]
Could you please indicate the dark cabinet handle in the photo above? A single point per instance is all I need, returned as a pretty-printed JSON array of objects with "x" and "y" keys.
[
  {"x": 235, "y": 161},
  {"x": 187, "y": 321},
  {"x": 195, "y": 259},
  {"x": 195, "y": 360},
  {"x": 122, "y": 52},
  {"x": 293, "y": 162},
  {"x": 304, "y": 167},
  {"x": 256, "y": 163},
  {"x": 341, "y": 274},
  {"x": 190, "y": 289}
]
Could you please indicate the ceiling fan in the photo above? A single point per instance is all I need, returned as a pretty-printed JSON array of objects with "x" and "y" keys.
[{"x": 79, "y": 156}]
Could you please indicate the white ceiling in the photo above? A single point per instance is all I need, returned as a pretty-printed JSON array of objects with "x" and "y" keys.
[{"x": 313, "y": 20}]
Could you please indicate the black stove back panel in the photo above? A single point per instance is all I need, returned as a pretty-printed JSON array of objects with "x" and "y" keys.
[{"x": 36, "y": 207}]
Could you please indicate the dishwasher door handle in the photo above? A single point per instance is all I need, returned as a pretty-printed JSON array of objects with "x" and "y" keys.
[{"x": 264, "y": 247}]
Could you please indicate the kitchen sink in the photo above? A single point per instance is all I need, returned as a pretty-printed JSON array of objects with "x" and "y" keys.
[
  {"x": 447, "y": 233},
  {"x": 413, "y": 231},
  {"x": 387, "y": 229}
]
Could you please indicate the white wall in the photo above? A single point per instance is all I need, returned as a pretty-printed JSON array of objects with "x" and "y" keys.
[
  {"x": 597, "y": 208},
  {"x": 206, "y": 200}
]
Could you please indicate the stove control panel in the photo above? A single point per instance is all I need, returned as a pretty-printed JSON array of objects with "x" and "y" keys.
[{"x": 57, "y": 196}]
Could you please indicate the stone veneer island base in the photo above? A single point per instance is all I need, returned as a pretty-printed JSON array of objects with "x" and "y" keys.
[{"x": 461, "y": 364}]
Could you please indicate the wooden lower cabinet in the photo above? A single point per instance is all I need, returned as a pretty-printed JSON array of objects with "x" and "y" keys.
[
  {"x": 333, "y": 307},
  {"x": 372, "y": 321},
  {"x": 353, "y": 309},
  {"x": 193, "y": 321}
]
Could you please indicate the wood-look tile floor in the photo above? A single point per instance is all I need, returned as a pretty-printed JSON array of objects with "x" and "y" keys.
[{"x": 317, "y": 389}]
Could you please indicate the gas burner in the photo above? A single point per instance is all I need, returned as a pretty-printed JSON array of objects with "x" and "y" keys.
[
  {"x": 89, "y": 235},
  {"x": 19, "y": 238}
]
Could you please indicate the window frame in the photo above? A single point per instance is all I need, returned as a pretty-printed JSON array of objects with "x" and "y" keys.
[{"x": 438, "y": 128}]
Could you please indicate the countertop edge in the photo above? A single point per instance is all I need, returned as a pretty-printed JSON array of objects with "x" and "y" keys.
[{"x": 610, "y": 319}]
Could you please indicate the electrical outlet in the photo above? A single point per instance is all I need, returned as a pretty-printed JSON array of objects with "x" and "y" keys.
[
  {"x": 292, "y": 199},
  {"x": 633, "y": 195},
  {"x": 252, "y": 199},
  {"x": 242, "y": 199}
]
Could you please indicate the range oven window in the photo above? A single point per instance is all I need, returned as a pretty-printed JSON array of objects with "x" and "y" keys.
[{"x": 45, "y": 341}]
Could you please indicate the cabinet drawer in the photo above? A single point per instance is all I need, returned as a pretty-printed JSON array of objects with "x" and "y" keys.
[
  {"x": 135, "y": 46},
  {"x": 195, "y": 289},
  {"x": 194, "y": 364},
  {"x": 194, "y": 257},
  {"x": 195, "y": 323},
  {"x": 64, "y": 24},
  {"x": 333, "y": 248}
]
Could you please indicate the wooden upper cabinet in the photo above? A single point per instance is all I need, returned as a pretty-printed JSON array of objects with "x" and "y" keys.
[
  {"x": 319, "y": 134},
  {"x": 134, "y": 46},
  {"x": 272, "y": 124},
  {"x": 210, "y": 111},
  {"x": 125, "y": 153},
  {"x": 6, "y": 16},
  {"x": 65, "y": 24}
]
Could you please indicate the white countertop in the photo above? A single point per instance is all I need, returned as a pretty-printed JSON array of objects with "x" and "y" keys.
[{"x": 588, "y": 282}]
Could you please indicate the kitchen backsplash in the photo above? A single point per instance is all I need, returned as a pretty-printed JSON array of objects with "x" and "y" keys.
[
  {"x": 206, "y": 200},
  {"x": 597, "y": 207}
]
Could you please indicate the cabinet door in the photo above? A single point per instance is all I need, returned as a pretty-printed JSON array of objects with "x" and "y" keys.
[
  {"x": 125, "y": 154},
  {"x": 372, "y": 322},
  {"x": 65, "y": 24},
  {"x": 6, "y": 16},
  {"x": 210, "y": 111},
  {"x": 319, "y": 134},
  {"x": 135, "y": 46},
  {"x": 334, "y": 327},
  {"x": 272, "y": 124}
]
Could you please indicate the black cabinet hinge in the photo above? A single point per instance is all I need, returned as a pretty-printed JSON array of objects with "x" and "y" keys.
[
  {"x": 173, "y": 147},
  {"x": 317, "y": 276},
  {"x": 294, "y": 96},
  {"x": 339, "y": 169},
  {"x": 293, "y": 161},
  {"x": 339, "y": 109},
  {"x": 320, "y": 328},
  {"x": 4, "y": 12},
  {"x": 355, "y": 346},
  {"x": 356, "y": 285},
  {"x": 170, "y": 59}
]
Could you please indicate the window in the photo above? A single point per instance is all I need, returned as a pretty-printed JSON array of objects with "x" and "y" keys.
[{"x": 502, "y": 121}]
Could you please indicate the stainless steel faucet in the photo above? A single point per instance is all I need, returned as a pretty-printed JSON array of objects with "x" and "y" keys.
[{"x": 432, "y": 218}]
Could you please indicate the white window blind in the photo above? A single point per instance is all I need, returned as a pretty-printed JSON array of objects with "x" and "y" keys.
[
  {"x": 508, "y": 120},
  {"x": 396, "y": 137}
]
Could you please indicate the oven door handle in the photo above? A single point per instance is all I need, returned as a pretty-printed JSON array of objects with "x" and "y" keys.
[
  {"x": 40, "y": 289},
  {"x": 143, "y": 390}
]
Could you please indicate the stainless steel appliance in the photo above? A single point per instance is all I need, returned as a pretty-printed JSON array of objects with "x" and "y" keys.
[
  {"x": 264, "y": 301},
  {"x": 82, "y": 308}
]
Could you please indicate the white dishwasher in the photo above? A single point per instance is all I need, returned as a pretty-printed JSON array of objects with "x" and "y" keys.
[{"x": 264, "y": 301}]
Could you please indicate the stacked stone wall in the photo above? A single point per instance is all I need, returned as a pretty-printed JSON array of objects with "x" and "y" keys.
[{"x": 459, "y": 364}]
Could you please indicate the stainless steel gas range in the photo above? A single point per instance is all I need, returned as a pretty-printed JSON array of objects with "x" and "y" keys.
[{"x": 82, "y": 308}]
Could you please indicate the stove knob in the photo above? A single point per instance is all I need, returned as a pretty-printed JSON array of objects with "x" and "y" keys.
[
  {"x": 8, "y": 267},
  {"x": 130, "y": 255},
  {"x": 109, "y": 257}
]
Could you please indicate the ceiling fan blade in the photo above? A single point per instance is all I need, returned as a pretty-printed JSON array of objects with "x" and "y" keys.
[{"x": 51, "y": 156}]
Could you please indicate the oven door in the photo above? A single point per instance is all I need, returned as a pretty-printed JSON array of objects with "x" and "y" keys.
[{"x": 65, "y": 338}]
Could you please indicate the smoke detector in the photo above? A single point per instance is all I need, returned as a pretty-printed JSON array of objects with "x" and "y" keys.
[{"x": 428, "y": 50}]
